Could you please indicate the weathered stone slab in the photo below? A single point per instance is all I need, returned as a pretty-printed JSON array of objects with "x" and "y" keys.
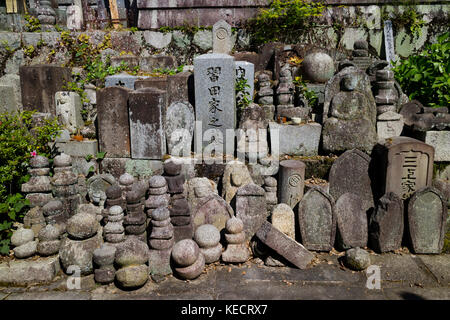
[
  {"x": 215, "y": 99},
  {"x": 387, "y": 224},
  {"x": 251, "y": 208},
  {"x": 39, "y": 83},
  {"x": 427, "y": 215},
  {"x": 389, "y": 124},
  {"x": 152, "y": 82},
  {"x": 7, "y": 99},
  {"x": 212, "y": 209},
  {"x": 317, "y": 220},
  {"x": 350, "y": 173},
  {"x": 291, "y": 182},
  {"x": 122, "y": 80},
  {"x": 21, "y": 273},
  {"x": 180, "y": 121},
  {"x": 440, "y": 140},
  {"x": 181, "y": 87},
  {"x": 113, "y": 124},
  {"x": 246, "y": 70},
  {"x": 403, "y": 165},
  {"x": 222, "y": 37},
  {"x": 150, "y": 63},
  {"x": 285, "y": 246},
  {"x": 351, "y": 221},
  {"x": 68, "y": 110},
  {"x": 146, "y": 123},
  {"x": 283, "y": 218},
  {"x": 304, "y": 139}
]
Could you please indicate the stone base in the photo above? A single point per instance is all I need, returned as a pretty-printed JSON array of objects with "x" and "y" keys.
[
  {"x": 303, "y": 140},
  {"x": 139, "y": 168},
  {"x": 22, "y": 273},
  {"x": 78, "y": 148}
]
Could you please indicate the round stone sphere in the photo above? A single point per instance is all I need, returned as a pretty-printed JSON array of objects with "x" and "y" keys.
[
  {"x": 234, "y": 225},
  {"x": 207, "y": 236},
  {"x": 82, "y": 226},
  {"x": 63, "y": 160},
  {"x": 318, "y": 67},
  {"x": 185, "y": 252}
]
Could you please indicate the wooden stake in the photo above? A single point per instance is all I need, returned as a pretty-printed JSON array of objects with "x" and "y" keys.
[{"x": 114, "y": 13}]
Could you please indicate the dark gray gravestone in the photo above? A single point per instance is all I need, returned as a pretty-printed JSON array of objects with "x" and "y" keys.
[
  {"x": 427, "y": 214},
  {"x": 146, "y": 123},
  {"x": 387, "y": 224},
  {"x": 351, "y": 221},
  {"x": 285, "y": 246},
  {"x": 317, "y": 220},
  {"x": 113, "y": 125},
  {"x": 251, "y": 208},
  {"x": 350, "y": 173},
  {"x": 39, "y": 83},
  {"x": 179, "y": 127}
]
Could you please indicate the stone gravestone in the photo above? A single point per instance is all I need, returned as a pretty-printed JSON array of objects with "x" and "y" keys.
[
  {"x": 39, "y": 83},
  {"x": 68, "y": 110},
  {"x": 291, "y": 182},
  {"x": 7, "y": 99},
  {"x": 212, "y": 209},
  {"x": 251, "y": 208},
  {"x": 180, "y": 121},
  {"x": 222, "y": 37},
  {"x": 285, "y": 246},
  {"x": 404, "y": 165},
  {"x": 214, "y": 80},
  {"x": 74, "y": 17},
  {"x": 122, "y": 80},
  {"x": 351, "y": 221},
  {"x": 389, "y": 41},
  {"x": 113, "y": 124},
  {"x": 246, "y": 70},
  {"x": 350, "y": 173},
  {"x": 349, "y": 112},
  {"x": 317, "y": 220},
  {"x": 387, "y": 224},
  {"x": 427, "y": 215},
  {"x": 147, "y": 138}
]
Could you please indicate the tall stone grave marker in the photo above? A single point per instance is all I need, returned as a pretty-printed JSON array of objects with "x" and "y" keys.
[
  {"x": 146, "y": 124},
  {"x": 222, "y": 37},
  {"x": 214, "y": 80},
  {"x": 404, "y": 166},
  {"x": 427, "y": 215},
  {"x": 251, "y": 208},
  {"x": 350, "y": 173},
  {"x": 389, "y": 41},
  {"x": 352, "y": 230},
  {"x": 114, "y": 128},
  {"x": 387, "y": 224},
  {"x": 292, "y": 182},
  {"x": 68, "y": 110},
  {"x": 39, "y": 83},
  {"x": 317, "y": 220},
  {"x": 180, "y": 121},
  {"x": 246, "y": 70}
]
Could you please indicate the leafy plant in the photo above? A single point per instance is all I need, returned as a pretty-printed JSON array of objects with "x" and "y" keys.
[
  {"x": 33, "y": 23},
  {"x": 303, "y": 90},
  {"x": 18, "y": 143},
  {"x": 426, "y": 76},
  {"x": 409, "y": 18},
  {"x": 167, "y": 71},
  {"x": 243, "y": 96},
  {"x": 284, "y": 19}
]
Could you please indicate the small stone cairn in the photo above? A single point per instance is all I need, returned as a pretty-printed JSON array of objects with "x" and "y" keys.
[
  {"x": 180, "y": 213},
  {"x": 360, "y": 55},
  {"x": 207, "y": 237},
  {"x": 135, "y": 220},
  {"x": 114, "y": 232},
  {"x": 83, "y": 237},
  {"x": 24, "y": 243},
  {"x": 265, "y": 92},
  {"x": 160, "y": 241},
  {"x": 113, "y": 198},
  {"x": 54, "y": 214},
  {"x": 132, "y": 258},
  {"x": 158, "y": 196},
  {"x": 65, "y": 184},
  {"x": 286, "y": 89},
  {"x": 236, "y": 251},
  {"x": 38, "y": 188},
  {"x": 189, "y": 261},
  {"x": 34, "y": 220},
  {"x": 103, "y": 258},
  {"x": 126, "y": 181},
  {"x": 386, "y": 97},
  {"x": 49, "y": 242},
  {"x": 270, "y": 186}
]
